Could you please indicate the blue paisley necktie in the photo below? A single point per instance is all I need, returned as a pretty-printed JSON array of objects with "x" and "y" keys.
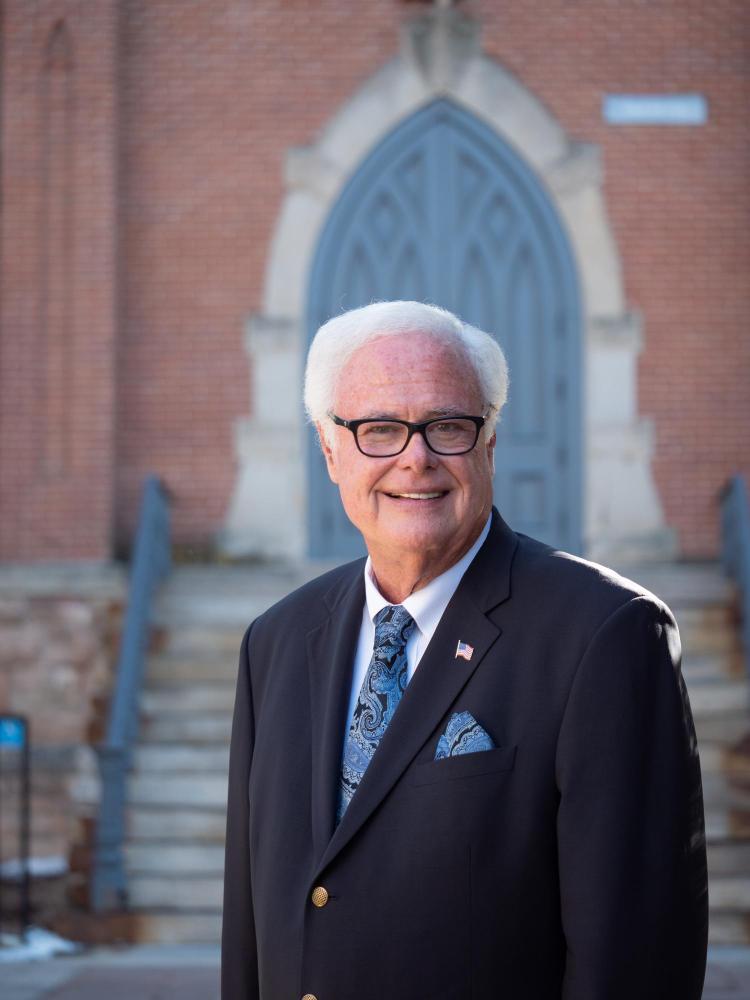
[{"x": 379, "y": 696}]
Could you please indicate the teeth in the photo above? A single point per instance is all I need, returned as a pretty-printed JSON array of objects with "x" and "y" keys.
[{"x": 417, "y": 496}]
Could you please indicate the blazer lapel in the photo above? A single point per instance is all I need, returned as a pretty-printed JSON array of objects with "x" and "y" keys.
[
  {"x": 437, "y": 681},
  {"x": 331, "y": 648}
]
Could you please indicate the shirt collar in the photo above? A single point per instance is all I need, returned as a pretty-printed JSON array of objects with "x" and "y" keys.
[{"x": 426, "y": 605}]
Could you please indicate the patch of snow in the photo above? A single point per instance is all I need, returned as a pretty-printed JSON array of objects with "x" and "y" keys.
[
  {"x": 48, "y": 866},
  {"x": 39, "y": 944}
]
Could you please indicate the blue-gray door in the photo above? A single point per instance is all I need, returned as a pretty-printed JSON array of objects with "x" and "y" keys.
[{"x": 443, "y": 210}]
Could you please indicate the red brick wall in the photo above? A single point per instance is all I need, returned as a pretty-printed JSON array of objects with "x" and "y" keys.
[
  {"x": 679, "y": 203},
  {"x": 214, "y": 95},
  {"x": 210, "y": 98},
  {"x": 58, "y": 253}
]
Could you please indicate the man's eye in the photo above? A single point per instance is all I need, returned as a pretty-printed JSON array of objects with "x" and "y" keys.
[
  {"x": 379, "y": 430},
  {"x": 447, "y": 427}
]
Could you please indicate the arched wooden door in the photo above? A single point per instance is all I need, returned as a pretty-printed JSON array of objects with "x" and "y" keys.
[{"x": 444, "y": 211}]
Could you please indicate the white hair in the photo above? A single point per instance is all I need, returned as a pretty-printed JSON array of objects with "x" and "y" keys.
[{"x": 338, "y": 339}]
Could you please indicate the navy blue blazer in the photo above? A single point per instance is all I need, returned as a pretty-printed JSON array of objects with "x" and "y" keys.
[{"x": 568, "y": 862}]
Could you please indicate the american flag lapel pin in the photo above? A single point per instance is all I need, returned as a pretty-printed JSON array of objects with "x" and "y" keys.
[{"x": 464, "y": 650}]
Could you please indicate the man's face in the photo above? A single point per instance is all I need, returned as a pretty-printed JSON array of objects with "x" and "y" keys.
[{"x": 411, "y": 377}]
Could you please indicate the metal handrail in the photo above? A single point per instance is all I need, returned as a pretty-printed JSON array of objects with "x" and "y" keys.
[
  {"x": 735, "y": 549},
  {"x": 151, "y": 563}
]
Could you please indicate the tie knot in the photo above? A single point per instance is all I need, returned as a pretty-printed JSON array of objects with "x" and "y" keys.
[{"x": 393, "y": 625}]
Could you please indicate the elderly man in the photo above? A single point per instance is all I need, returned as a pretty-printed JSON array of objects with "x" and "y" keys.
[{"x": 465, "y": 768}]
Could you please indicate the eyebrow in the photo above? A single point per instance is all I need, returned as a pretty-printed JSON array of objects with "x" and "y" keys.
[{"x": 444, "y": 411}]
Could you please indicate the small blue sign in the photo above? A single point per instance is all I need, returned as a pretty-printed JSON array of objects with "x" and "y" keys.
[
  {"x": 12, "y": 731},
  {"x": 655, "y": 109}
]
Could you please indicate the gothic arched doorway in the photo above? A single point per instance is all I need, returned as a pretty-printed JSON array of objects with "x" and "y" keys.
[{"x": 445, "y": 211}]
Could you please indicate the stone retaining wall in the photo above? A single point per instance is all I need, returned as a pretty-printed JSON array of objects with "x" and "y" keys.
[{"x": 59, "y": 635}]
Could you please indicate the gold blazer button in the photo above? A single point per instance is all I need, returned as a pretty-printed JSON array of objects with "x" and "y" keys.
[
  {"x": 309, "y": 996},
  {"x": 319, "y": 898}
]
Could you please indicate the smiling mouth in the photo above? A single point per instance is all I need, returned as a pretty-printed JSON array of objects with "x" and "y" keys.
[{"x": 417, "y": 496}]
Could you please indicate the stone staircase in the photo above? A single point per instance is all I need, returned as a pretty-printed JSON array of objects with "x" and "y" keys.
[
  {"x": 178, "y": 786},
  {"x": 177, "y": 792},
  {"x": 704, "y": 605}
]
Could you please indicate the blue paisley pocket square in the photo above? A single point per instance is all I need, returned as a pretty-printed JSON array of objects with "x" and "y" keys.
[{"x": 463, "y": 734}]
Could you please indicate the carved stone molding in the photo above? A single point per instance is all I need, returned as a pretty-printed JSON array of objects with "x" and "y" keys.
[{"x": 441, "y": 56}]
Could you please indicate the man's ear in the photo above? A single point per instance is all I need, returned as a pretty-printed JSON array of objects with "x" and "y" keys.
[
  {"x": 491, "y": 452},
  {"x": 327, "y": 453}
]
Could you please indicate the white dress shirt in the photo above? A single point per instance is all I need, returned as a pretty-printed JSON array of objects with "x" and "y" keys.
[{"x": 426, "y": 606}]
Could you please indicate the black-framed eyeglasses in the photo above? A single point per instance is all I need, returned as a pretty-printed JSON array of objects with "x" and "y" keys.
[{"x": 385, "y": 438}]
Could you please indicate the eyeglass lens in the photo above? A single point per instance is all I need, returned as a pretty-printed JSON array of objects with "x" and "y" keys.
[{"x": 380, "y": 438}]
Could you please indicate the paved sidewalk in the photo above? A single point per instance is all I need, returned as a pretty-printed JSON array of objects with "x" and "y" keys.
[
  {"x": 145, "y": 972},
  {"x": 728, "y": 974},
  {"x": 151, "y": 972}
]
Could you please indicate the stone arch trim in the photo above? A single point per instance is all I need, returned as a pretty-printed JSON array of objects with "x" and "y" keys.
[{"x": 441, "y": 57}]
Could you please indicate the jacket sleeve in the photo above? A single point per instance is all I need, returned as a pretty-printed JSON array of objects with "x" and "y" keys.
[
  {"x": 631, "y": 841},
  {"x": 239, "y": 963}
]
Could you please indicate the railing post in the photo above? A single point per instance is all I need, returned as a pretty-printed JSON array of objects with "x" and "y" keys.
[
  {"x": 109, "y": 885},
  {"x": 735, "y": 549}
]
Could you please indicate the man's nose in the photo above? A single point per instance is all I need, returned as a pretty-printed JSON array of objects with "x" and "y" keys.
[{"x": 416, "y": 455}]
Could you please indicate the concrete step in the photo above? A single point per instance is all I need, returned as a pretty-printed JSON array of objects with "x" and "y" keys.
[
  {"x": 162, "y": 859},
  {"x": 728, "y": 858},
  {"x": 187, "y": 927},
  {"x": 730, "y": 894},
  {"x": 713, "y": 666},
  {"x": 705, "y": 614},
  {"x": 232, "y": 595},
  {"x": 187, "y": 698},
  {"x": 728, "y": 928},
  {"x": 209, "y": 792},
  {"x": 715, "y": 697},
  {"x": 699, "y": 639},
  {"x": 169, "y": 824},
  {"x": 719, "y": 789},
  {"x": 195, "y": 893},
  {"x": 723, "y": 823},
  {"x": 683, "y": 584},
  {"x": 729, "y": 908},
  {"x": 184, "y": 728},
  {"x": 737, "y": 758},
  {"x": 175, "y": 759},
  {"x": 167, "y": 668},
  {"x": 712, "y": 758},
  {"x": 725, "y": 729},
  {"x": 195, "y": 641},
  {"x": 732, "y": 762}
]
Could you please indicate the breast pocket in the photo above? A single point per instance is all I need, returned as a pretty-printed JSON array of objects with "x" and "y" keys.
[{"x": 467, "y": 765}]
